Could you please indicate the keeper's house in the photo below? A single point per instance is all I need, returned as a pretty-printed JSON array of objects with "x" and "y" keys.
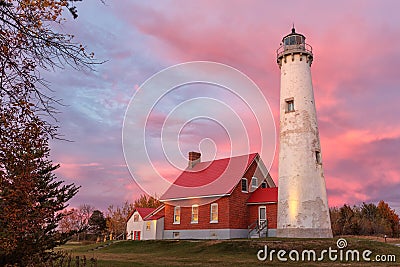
[{"x": 221, "y": 199}]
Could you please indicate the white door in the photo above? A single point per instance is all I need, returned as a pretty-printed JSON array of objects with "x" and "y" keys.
[{"x": 262, "y": 214}]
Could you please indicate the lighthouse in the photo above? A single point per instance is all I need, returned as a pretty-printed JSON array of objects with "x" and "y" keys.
[{"x": 302, "y": 201}]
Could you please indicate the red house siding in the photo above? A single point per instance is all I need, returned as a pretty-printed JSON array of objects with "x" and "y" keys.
[
  {"x": 239, "y": 212},
  {"x": 272, "y": 213},
  {"x": 204, "y": 216},
  {"x": 233, "y": 212}
]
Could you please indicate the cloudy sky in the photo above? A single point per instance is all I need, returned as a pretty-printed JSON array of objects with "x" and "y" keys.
[{"x": 355, "y": 77}]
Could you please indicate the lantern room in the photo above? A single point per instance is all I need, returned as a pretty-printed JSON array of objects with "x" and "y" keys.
[{"x": 294, "y": 43}]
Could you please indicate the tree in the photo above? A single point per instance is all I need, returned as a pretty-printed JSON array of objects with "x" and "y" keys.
[
  {"x": 116, "y": 218},
  {"x": 389, "y": 219},
  {"x": 83, "y": 215},
  {"x": 97, "y": 223},
  {"x": 31, "y": 198},
  {"x": 367, "y": 219},
  {"x": 76, "y": 220},
  {"x": 145, "y": 201},
  {"x": 348, "y": 220},
  {"x": 69, "y": 222},
  {"x": 335, "y": 221},
  {"x": 29, "y": 45}
]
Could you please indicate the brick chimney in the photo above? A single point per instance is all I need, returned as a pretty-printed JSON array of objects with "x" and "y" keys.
[{"x": 194, "y": 158}]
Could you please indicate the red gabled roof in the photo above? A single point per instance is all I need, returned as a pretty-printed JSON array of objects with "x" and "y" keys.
[
  {"x": 263, "y": 195},
  {"x": 212, "y": 178},
  {"x": 156, "y": 214},
  {"x": 143, "y": 212}
]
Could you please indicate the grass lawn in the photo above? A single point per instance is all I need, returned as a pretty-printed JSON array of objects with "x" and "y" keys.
[{"x": 241, "y": 252}]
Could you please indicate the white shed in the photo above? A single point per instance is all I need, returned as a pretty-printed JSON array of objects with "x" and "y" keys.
[{"x": 146, "y": 224}]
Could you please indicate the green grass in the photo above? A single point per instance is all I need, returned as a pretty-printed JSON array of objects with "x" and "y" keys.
[{"x": 241, "y": 252}]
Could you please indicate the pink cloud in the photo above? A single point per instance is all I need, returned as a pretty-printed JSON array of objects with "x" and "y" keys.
[{"x": 355, "y": 74}]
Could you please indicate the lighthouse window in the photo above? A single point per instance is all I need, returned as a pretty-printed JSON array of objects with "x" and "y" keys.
[
  {"x": 287, "y": 41},
  {"x": 318, "y": 157},
  {"x": 289, "y": 105},
  {"x": 299, "y": 40}
]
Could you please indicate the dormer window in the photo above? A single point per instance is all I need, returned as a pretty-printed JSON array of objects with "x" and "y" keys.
[
  {"x": 254, "y": 182},
  {"x": 245, "y": 187}
]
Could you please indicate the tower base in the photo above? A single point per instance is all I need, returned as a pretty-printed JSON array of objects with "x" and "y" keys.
[{"x": 304, "y": 233}]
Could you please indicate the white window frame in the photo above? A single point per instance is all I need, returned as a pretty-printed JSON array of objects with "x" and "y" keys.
[
  {"x": 135, "y": 217},
  {"x": 195, "y": 207},
  {"x": 289, "y": 102},
  {"x": 175, "y": 235},
  {"x": 247, "y": 185},
  {"x": 254, "y": 179},
  {"x": 177, "y": 212},
  {"x": 264, "y": 184},
  {"x": 259, "y": 213},
  {"x": 213, "y": 213}
]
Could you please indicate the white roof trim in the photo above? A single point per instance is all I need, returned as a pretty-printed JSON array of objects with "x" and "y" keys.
[
  {"x": 256, "y": 203},
  {"x": 184, "y": 198},
  {"x": 154, "y": 212},
  {"x": 265, "y": 172}
]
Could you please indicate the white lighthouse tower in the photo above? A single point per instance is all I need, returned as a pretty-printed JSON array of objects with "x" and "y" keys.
[{"x": 302, "y": 203}]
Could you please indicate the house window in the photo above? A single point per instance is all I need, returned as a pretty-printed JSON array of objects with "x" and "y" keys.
[
  {"x": 177, "y": 215},
  {"x": 136, "y": 217},
  {"x": 289, "y": 105},
  {"x": 254, "y": 182},
  {"x": 318, "y": 157},
  {"x": 195, "y": 214},
  {"x": 175, "y": 235},
  {"x": 148, "y": 226},
  {"x": 244, "y": 185},
  {"x": 214, "y": 213},
  {"x": 264, "y": 185}
]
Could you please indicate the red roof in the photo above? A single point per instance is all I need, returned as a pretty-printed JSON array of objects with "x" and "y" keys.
[
  {"x": 212, "y": 178},
  {"x": 263, "y": 195},
  {"x": 156, "y": 214},
  {"x": 143, "y": 212}
]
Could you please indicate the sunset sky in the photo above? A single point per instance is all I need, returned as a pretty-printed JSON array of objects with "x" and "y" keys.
[{"x": 356, "y": 77}]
